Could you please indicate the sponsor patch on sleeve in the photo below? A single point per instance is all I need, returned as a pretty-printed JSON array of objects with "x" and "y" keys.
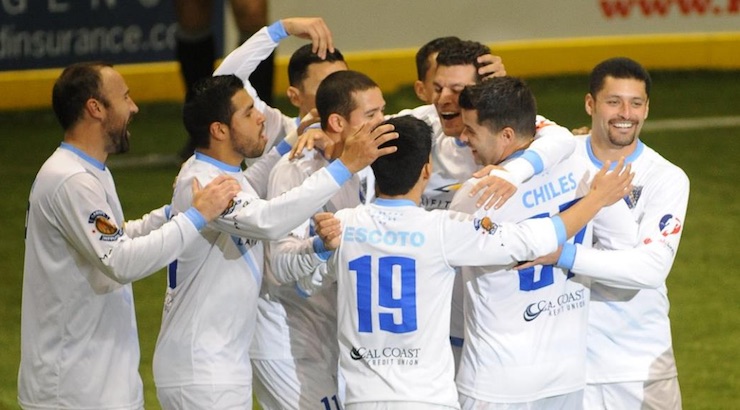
[
  {"x": 103, "y": 225},
  {"x": 485, "y": 225}
]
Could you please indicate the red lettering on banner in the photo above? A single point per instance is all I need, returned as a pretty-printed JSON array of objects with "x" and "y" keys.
[{"x": 659, "y": 8}]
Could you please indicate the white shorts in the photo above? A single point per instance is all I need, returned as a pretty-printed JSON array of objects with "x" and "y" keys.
[
  {"x": 569, "y": 401},
  {"x": 650, "y": 395},
  {"x": 295, "y": 384},
  {"x": 216, "y": 397}
]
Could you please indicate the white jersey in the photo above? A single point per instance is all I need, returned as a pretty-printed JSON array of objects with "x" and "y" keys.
[
  {"x": 525, "y": 331},
  {"x": 291, "y": 325},
  {"x": 79, "y": 343},
  {"x": 453, "y": 164},
  {"x": 629, "y": 336},
  {"x": 210, "y": 307},
  {"x": 525, "y": 336},
  {"x": 394, "y": 269},
  {"x": 242, "y": 62}
]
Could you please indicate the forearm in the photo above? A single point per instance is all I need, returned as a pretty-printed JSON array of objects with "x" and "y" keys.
[
  {"x": 244, "y": 59},
  {"x": 147, "y": 223},
  {"x": 644, "y": 267},
  {"x": 136, "y": 258},
  {"x": 293, "y": 258},
  {"x": 578, "y": 215},
  {"x": 551, "y": 146},
  {"x": 273, "y": 219}
]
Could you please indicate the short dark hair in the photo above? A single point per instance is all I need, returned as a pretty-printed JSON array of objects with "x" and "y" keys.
[
  {"x": 302, "y": 58},
  {"x": 397, "y": 173},
  {"x": 210, "y": 102},
  {"x": 76, "y": 84},
  {"x": 502, "y": 102},
  {"x": 618, "y": 67},
  {"x": 434, "y": 46},
  {"x": 335, "y": 93},
  {"x": 463, "y": 53}
]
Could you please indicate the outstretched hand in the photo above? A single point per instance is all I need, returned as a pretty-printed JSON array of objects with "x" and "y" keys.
[
  {"x": 314, "y": 29},
  {"x": 611, "y": 186},
  {"x": 310, "y": 137},
  {"x": 585, "y": 130},
  {"x": 491, "y": 66},
  {"x": 363, "y": 146},
  {"x": 212, "y": 200},
  {"x": 308, "y": 120},
  {"x": 496, "y": 189}
]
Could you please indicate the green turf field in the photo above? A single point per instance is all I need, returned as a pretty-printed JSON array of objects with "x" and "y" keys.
[{"x": 702, "y": 286}]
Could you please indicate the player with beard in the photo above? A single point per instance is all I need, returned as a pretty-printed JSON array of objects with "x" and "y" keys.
[
  {"x": 79, "y": 342},
  {"x": 201, "y": 359},
  {"x": 630, "y": 363},
  {"x": 308, "y": 65}
]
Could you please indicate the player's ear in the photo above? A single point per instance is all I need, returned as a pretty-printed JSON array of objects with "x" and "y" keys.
[
  {"x": 294, "y": 96},
  {"x": 589, "y": 104},
  {"x": 94, "y": 108},
  {"x": 426, "y": 170},
  {"x": 647, "y": 108},
  {"x": 335, "y": 122},
  {"x": 508, "y": 134},
  {"x": 419, "y": 90},
  {"x": 218, "y": 131}
]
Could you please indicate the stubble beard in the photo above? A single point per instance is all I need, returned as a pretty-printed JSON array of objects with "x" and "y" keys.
[
  {"x": 118, "y": 140},
  {"x": 623, "y": 140}
]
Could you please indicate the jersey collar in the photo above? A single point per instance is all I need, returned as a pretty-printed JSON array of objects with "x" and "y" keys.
[
  {"x": 394, "y": 202},
  {"x": 631, "y": 158},
  {"x": 218, "y": 164},
  {"x": 94, "y": 162}
]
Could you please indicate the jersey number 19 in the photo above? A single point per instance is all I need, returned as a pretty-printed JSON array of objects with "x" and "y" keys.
[{"x": 396, "y": 292}]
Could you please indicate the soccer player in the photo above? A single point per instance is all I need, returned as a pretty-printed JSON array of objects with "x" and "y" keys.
[
  {"x": 394, "y": 263},
  {"x": 630, "y": 354},
  {"x": 295, "y": 366},
  {"x": 525, "y": 331},
  {"x": 458, "y": 65},
  {"x": 201, "y": 359},
  {"x": 426, "y": 65},
  {"x": 308, "y": 65},
  {"x": 79, "y": 342},
  {"x": 195, "y": 47}
]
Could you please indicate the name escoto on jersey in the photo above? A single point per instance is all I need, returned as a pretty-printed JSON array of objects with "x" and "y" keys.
[{"x": 391, "y": 238}]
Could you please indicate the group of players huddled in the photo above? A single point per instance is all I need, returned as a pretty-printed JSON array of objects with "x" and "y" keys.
[{"x": 468, "y": 253}]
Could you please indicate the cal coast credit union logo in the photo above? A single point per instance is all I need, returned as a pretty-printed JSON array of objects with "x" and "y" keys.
[{"x": 104, "y": 226}]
